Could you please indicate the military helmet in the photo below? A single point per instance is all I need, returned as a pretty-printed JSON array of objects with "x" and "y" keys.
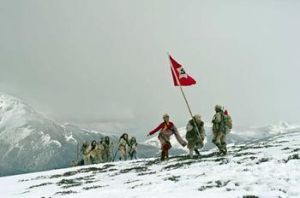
[
  {"x": 133, "y": 139},
  {"x": 85, "y": 144},
  {"x": 218, "y": 107},
  {"x": 101, "y": 140}
]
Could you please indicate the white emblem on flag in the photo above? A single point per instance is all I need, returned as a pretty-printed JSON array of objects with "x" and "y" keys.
[{"x": 182, "y": 73}]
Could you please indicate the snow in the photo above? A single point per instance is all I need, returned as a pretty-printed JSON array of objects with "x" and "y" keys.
[
  {"x": 264, "y": 168},
  {"x": 266, "y": 164},
  {"x": 70, "y": 138},
  {"x": 46, "y": 140}
]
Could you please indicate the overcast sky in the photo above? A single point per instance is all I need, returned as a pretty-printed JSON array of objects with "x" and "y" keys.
[{"x": 104, "y": 64}]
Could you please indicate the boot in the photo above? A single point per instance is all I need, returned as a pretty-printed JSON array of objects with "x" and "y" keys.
[
  {"x": 224, "y": 149},
  {"x": 197, "y": 152},
  {"x": 220, "y": 147},
  {"x": 167, "y": 154}
]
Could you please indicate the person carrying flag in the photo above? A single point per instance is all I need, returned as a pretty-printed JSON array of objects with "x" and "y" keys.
[
  {"x": 195, "y": 135},
  {"x": 167, "y": 129}
]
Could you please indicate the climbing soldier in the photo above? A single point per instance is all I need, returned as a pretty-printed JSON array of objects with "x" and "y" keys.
[
  {"x": 85, "y": 153},
  {"x": 123, "y": 144},
  {"x": 93, "y": 152},
  {"x": 132, "y": 151},
  {"x": 221, "y": 126},
  {"x": 107, "y": 149},
  {"x": 228, "y": 122},
  {"x": 195, "y": 135}
]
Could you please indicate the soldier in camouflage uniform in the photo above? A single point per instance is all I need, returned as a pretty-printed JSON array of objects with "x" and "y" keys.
[
  {"x": 132, "y": 151},
  {"x": 85, "y": 153},
  {"x": 219, "y": 130},
  {"x": 99, "y": 152},
  {"x": 93, "y": 152},
  {"x": 195, "y": 137},
  {"x": 107, "y": 149},
  {"x": 123, "y": 144}
]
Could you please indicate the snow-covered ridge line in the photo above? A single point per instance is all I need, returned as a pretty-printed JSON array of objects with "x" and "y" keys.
[{"x": 31, "y": 142}]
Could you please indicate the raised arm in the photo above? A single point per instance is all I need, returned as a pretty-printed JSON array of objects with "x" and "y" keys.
[{"x": 156, "y": 129}]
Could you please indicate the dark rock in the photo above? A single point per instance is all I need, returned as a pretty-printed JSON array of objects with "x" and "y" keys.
[
  {"x": 66, "y": 192},
  {"x": 39, "y": 185}
]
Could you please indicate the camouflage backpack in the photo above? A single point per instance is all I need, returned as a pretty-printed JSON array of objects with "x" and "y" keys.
[{"x": 227, "y": 121}]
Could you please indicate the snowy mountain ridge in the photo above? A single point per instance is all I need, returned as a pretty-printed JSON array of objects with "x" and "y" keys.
[
  {"x": 31, "y": 142},
  {"x": 257, "y": 168}
]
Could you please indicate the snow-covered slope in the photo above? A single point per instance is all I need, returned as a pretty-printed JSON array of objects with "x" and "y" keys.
[
  {"x": 30, "y": 142},
  {"x": 265, "y": 168}
]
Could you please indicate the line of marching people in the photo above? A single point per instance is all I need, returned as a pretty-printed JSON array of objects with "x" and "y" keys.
[
  {"x": 95, "y": 152},
  {"x": 102, "y": 151},
  {"x": 195, "y": 135}
]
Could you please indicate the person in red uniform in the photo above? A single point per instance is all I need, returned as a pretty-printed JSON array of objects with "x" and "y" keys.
[{"x": 166, "y": 130}]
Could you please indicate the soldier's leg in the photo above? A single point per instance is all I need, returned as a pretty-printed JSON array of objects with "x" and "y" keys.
[
  {"x": 107, "y": 156},
  {"x": 88, "y": 160},
  {"x": 218, "y": 140},
  {"x": 162, "y": 155},
  {"x": 100, "y": 157},
  {"x": 215, "y": 134},
  {"x": 201, "y": 143},
  {"x": 223, "y": 143},
  {"x": 202, "y": 135},
  {"x": 167, "y": 154},
  {"x": 85, "y": 159},
  {"x": 134, "y": 155},
  {"x": 197, "y": 152},
  {"x": 131, "y": 155},
  {"x": 190, "y": 146},
  {"x": 197, "y": 146},
  {"x": 125, "y": 155},
  {"x": 122, "y": 154},
  {"x": 166, "y": 147},
  {"x": 191, "y": 152}
]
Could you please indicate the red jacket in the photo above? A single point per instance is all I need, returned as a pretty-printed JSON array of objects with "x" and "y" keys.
[{"x": 169, "y": 126}]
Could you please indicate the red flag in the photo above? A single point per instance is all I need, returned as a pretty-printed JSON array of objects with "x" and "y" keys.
[{"x": 180, "y": 77}]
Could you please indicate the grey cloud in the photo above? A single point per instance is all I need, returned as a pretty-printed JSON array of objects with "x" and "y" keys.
[{"x": 106, "y": 61}]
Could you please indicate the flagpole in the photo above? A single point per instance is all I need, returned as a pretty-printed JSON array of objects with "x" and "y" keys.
[{"x": 185, "y": 99}]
